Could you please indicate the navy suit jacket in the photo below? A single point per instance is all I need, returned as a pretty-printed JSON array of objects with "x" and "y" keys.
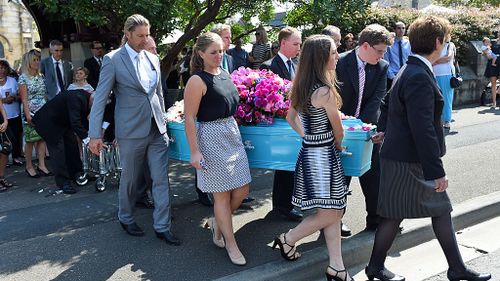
[
  {"x": 374, "y": 91},
  {"x": 411, "y": 119},
  {"x": 277, "y": 66},
  {"x": 94, "y": 70}
]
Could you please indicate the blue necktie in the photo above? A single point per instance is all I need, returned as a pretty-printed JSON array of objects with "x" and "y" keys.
[
  {"x": 290, "y": 68},
  {"x": 400, "y": 53}
]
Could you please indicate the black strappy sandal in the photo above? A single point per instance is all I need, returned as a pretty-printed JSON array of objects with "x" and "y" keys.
[
  {"x": 290, "y": 255},
  {"x": 336, "y": 277}
]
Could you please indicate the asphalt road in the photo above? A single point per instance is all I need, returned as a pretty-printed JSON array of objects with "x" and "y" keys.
[{"x": 77, "y": 237}]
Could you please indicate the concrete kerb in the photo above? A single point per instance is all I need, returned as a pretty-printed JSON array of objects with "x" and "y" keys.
[{"x": 357, "y": 249}]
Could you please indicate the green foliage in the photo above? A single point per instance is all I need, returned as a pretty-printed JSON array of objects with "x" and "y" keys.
[
  {"x": 471, "y": 3},
  {"x": 189, "y": 16},
  {"x": 469, "y": 24},
  {"x": 313, "y": 16}
]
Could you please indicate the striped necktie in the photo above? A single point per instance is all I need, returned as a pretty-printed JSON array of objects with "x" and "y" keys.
[{"x": 362, "y": 78}]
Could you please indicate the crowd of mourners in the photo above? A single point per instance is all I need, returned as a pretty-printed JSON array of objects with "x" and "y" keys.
[{"x": 398, "y": 80}]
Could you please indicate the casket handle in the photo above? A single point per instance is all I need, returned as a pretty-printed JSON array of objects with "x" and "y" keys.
[
  {"x": 345, "y": 153},
  {"x": 248, "y": 145}
]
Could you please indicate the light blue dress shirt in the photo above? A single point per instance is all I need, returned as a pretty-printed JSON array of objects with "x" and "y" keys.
[{"x": 392, "y": 56}]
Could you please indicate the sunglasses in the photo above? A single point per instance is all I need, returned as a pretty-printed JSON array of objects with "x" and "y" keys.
[
  {"x": 97, "y": 48},
  {"x": 256, "y": 33},
  {"x": 275, "y": 47}
]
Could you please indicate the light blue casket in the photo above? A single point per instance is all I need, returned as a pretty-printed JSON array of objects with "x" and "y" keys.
[
  {"x": 277, "y": 146},
  {"x": 179, "y": 147}
]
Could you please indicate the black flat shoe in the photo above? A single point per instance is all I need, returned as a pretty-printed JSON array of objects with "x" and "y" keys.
[
  {"x": 345, "y": 231},
  {"x": 468, "y": 274},
  {"x": 169, "y": 237},
  {"x": 132, "y": 229},
  {"x": 16, "y": 162},
  {"x": 248, "y": 200},
  {"x": 68, "y": 189},
  {"x": 36, "y": 175},
  {"x": 41, "y": 172},
  {"x": 382, "y": 274}
]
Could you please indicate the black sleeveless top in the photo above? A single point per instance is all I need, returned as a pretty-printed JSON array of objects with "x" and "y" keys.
[{"x": 220, "y": 100}]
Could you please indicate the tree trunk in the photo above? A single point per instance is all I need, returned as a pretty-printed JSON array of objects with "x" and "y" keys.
[{"x": 190, "y": 33}]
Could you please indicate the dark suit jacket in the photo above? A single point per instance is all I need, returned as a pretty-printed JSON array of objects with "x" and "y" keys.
[
  {"x": 66, "y": 111},
  {"x": 277, "y": 66},
  {"x": 374, "y": 91},
  {"x": 411, "y": 119},
  {"x": 94, "y": 70},
  {"x": 47, "y": 69}
]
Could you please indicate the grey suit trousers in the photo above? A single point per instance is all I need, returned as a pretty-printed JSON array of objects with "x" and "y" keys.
[{"x": 151, "y": 150}]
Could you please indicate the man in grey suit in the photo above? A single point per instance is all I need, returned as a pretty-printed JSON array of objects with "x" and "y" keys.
[
  {"x": 134, "y": 76},
  {"x": 58, "y": 73}
]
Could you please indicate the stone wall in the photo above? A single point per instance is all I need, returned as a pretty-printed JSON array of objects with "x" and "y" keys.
[
  {"x": 17, "y": 34},
  {"x": 473, "y": 74}
]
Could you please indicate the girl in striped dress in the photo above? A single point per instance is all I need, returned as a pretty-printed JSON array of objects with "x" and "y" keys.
[{"x": 319, "y": 177}]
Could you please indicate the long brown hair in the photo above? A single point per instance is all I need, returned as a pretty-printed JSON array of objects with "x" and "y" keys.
[
  {"x": 312, "y": 69},
  {"x": 202, "y": 43}
]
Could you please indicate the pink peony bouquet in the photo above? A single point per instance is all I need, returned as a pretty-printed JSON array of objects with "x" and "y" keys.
[{"x": 263, "y": 96}]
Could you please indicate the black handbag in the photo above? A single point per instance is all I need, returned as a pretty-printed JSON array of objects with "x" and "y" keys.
[
  {"x": 456, "y": 80},
  {"x": 5, "y": 144}
]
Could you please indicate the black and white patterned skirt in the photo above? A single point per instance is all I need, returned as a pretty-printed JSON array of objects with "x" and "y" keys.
[
  {"x": 319, "y": 176},
  {"x": 226, "y": 162}
]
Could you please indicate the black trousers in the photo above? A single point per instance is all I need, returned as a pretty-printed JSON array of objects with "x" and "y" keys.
[
  {"x": 16, "y": 129},
  {"x": 283, "y": 190},
  {"x": 65, "y": 162},
  {"x": 370, "y": 182}
]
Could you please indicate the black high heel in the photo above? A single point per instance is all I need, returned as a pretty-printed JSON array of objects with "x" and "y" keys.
[
  {"x": 290, "y": 255},
  {"x": 336, "y": 277},
  {"x": 468, "y": 274},
  {"x": 36, "y": 175},
  {"x": 43, "y": 173}
]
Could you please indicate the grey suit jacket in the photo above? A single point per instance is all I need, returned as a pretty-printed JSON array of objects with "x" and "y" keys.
[
  {"x": 134, "y": 106},
  {"x": 49, "y": 73}
]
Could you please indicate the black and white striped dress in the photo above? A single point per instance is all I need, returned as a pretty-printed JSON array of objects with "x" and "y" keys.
[{"x": 319, "y": 176}]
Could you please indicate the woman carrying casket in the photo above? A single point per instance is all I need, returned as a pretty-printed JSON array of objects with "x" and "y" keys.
[
  {"x": 319, "y": 177},
  {"x": 217, "y": 152}
]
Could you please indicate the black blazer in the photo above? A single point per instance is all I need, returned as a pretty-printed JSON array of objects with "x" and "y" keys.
[
  {"x": 66, "y": 111},
  {"x": 411, "y": 119},
  {"x": 374, "y": 91},
  {"x": 277, "y": 66},
  {"x": 94, "y": 70}
]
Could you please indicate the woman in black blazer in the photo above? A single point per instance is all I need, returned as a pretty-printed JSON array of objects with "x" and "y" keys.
[{"x": 413, "y": 181}]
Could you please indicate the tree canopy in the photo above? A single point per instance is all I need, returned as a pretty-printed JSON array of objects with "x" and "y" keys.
[{"x": 189, "y": 16}]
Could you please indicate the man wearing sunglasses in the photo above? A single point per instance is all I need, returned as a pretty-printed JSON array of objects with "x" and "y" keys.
[
  {"x": 362, "y": 76},
  {"x": 398, "y": 53},
  {"x": 93, "y": 64}
]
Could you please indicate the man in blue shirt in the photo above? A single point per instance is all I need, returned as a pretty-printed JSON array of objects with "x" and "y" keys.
[{"x": 398, "y": 53}]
